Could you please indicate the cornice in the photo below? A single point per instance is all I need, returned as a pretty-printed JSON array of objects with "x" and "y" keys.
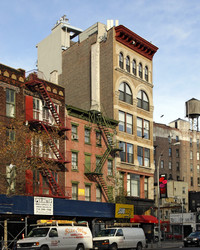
[{"x": 135, "y": 42}]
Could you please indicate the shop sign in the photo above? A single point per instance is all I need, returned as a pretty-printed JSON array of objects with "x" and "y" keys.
[{"x": 124, "y": 211}]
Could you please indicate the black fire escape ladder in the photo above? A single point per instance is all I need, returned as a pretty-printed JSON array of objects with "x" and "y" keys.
[
  {"x": 56, "y": 190},
  {"x": 53, "y": 146},
  {"x": 105, "y": 190}
]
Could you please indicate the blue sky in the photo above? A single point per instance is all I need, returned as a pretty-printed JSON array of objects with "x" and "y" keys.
[{"x": 172, "y": 25}]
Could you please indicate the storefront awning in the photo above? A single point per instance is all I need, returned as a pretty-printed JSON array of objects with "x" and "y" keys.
[{"x": 144, "y": 219}]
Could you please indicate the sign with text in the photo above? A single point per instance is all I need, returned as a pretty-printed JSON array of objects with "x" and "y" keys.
[
  {"x": 123, "y": 211},
  {"x": 43, "y": 205}
]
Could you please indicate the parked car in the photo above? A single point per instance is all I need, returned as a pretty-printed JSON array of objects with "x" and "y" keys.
[
  {"x": 122, "y": 237},
  {"x": 192, "y": 239}
]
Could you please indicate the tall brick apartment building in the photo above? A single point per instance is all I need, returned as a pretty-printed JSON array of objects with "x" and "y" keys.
[{"x": 110, "y": 70}]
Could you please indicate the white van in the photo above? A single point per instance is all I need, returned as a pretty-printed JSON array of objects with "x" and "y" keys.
[
  {"x": 121, "y": 237},
  {"x": 58, "y": 235}
]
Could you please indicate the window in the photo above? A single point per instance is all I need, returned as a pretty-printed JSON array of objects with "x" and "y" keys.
[
  {"x": 126, "y": 154},
  {"x": 177, "y": 139},
  {"x": 197, "y": 143},
  {"x": 140, "y": 70},
  {"x": 87, "y": 135},
  {"x": 191, "y": 167},
  {"x": 143, "y": 155},
  {"x": 36, "y": 109},
  {"x": 121, "y": 60},
  {"x": 143, "y": 128},
  {"x": 198, "y": 181},
  {"x": 191, "y": 181},
  {"x": 142, "y": 100},
  {"x": 87, "y": 163},
  {"x": 125, "y": 122},
  {"x": 183, "y": 190},
  {"x": 190, "y": 142},
  {"x": 133, "y": 185},
  {"x": 170, "y": 165},
  {"x": 45, "y": 112},
  {"x": 98, "y": 194},
  {"x": 74, "y": 191},
  {"x": 177, "y": 153},
  {"x": 87, "y": 192},
  {"x": 10, "y": 103},
  {"x": 198, "y": 169},
  {"x": 197, "y": 156},
  {"x": 10, "y": 176},
  {"x": 125, "y": 93},
  {"x": 110, "y": 167},
  {"x": 98, "y": 138},
  {"x": 191, "y": 155},
  {"x": 134, "y": 67},
  {"x": 170, "y": 152},
  {"x": 74, "y": 160},
  {"x": 146, "y": 188},
  {"x": 177, "y": 166},
  {"x": 161, "y": 164},
  {"x": 74, "y": 132},
  {"x": 146, "y": 73},
  {"x": 128, "y": 63},
  {"x": 10, "y": 134},
  {"x": 36, "y": 146}
]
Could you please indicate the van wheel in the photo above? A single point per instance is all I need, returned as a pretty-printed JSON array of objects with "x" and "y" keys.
[
  {"x": 113, "y": 247},
  {"x": 80, "y": 247},
  {"x": 44, "y": 248},
  {"x": 139, "y": 246}
]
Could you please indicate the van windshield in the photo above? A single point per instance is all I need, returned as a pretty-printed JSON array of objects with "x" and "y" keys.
[
  {"x": 106, "y": 232},
  {"x": 38, "y": 232}
]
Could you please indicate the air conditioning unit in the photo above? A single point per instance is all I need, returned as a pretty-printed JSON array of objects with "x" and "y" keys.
[
  {"x": 74, "y": 167},
  {"x": 75, "y": 137}
]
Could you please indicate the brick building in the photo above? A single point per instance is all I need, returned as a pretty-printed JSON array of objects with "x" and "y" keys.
[
  {"x": 41, "y": 106},
  {"x": 109, "y": 70}
]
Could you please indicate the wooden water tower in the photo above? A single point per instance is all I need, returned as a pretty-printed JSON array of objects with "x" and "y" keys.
[{"x": 193, "y": 113}]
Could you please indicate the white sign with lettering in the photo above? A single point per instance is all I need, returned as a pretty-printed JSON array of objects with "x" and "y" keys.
[{"x": 43, "y": 205}]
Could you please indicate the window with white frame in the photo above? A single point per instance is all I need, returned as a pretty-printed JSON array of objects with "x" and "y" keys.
[
  {"x": 74, "y": 191},
  {"x": 143, "y": 128},
  {"x": 37, "y": 107},
  {"x": 87, "y": 192},
  {"x": 10, "y": 176},
  {"x": 74, "y": 132},
  {"x": 191, "y": 155},
  {"x": 10, "y": 103},
  {"x": 110, "y": 167},
  {"x": 125, "y": 122},
  {"x": 133, "y": 185},
  {"x": 74, "y": 160},
  {"x": 197, "y": 156},
  {"x": 98, "y": 194}
]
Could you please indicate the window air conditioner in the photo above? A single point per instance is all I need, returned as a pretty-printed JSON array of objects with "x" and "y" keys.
[
  {"x": 75, "y": 137},
  {"x": 74, "y": 167}
]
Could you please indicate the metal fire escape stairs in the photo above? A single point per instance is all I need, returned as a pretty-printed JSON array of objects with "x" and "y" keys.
[
  {"x": 39, "y": 86},
  {"x": 97, "y": 174}
]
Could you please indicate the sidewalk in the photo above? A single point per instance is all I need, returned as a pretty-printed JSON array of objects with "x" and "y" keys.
[{"x": 166, "y": 244}]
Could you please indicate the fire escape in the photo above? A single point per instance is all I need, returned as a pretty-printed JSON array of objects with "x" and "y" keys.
[
  {"x": 96, "y": 174},
  {"x": 37, "y": 85}
]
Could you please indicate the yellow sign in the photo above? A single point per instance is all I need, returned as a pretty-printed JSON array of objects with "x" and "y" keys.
[
  {"x": 124, "y": 211},
  {"x": 81, "y": 192}
]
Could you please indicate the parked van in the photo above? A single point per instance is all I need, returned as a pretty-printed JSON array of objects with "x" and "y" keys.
[
  {"x": 58, "y": 235},
  {"x": 121, "y": 237}
]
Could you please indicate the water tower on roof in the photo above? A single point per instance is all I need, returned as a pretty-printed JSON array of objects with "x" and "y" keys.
[{"x": 193, "y": 112}]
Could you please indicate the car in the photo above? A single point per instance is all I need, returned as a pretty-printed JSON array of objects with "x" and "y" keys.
[{"x": 192, "y": 239}]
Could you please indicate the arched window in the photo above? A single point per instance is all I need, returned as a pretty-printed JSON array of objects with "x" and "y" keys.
[
  {"x": 143, "y": 100},
  {"x": 125, "y": 93},
  {"x": 121, "y": 60},
  {"x": 140, "y": 70},
  {"x": 128, "y": 63},
  {"x": 134, "y": 67},
  {"x": 146, "y": 73}
]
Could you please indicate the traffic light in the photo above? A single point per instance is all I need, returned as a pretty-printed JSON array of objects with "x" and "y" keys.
[{"x": 163, "y": 186}]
